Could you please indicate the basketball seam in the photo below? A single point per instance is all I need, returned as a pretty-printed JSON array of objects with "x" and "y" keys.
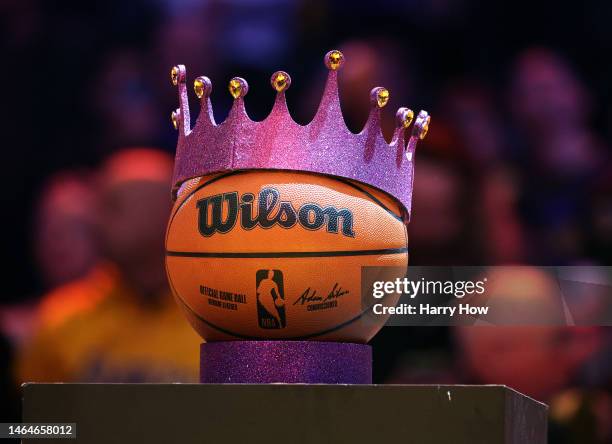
[
  {"x": 371, "y": 196},
  {"x": 214, "y": 179},
  {"x": 285, "y": 254}
]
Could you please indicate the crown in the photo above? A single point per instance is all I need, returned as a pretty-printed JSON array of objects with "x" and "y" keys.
[{"x": 325, "y": 145}]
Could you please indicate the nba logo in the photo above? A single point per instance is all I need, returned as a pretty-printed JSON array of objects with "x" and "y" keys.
[{"x": 270, "y": 299}]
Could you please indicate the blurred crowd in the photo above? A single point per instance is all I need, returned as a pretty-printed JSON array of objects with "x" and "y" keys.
[{"x": 516, "y": 169}]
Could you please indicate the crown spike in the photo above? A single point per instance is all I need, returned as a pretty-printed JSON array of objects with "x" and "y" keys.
[
  {"x": 372, "y": 130},
  {"x": 280, "y": 81},
  {"x": 238, "y": 87},
  {"x": 403, "y": 119},
  {"x": 174, "y": 118},
  {"x": 424, "y": 127},
  {"x": 329, "y": 112},
  {"x": 419, "y": 131},
  {"x": 174, "y": 75},
  {"x": 202, "y": 86},
  {"x": 178, "y": 76},
  {"x": 334, "y": 60},
  {"x": 379, "y": 97}
]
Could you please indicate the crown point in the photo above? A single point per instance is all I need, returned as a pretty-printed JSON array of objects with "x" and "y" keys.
[
  {"x": 280, "y": 81},
  {"x": 174, "y": 74},
  {"x": 424, "y": 127},
  {"x": 202, "y": 87},
  {"x": 404, "y": 117},
  {"x": 238, "y": 87},
  {"x": 174, "y": 117},
  {"x": 334, "y": 60},
  {"x": 379, "y": 96},
  {"x": 177, "y": 74}
]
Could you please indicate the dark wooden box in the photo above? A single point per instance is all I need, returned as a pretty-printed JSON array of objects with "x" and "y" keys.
[{"x": 282, "y": 413}]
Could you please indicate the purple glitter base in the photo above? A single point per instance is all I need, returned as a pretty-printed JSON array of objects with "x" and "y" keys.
[{"x": 297, "y": 362}]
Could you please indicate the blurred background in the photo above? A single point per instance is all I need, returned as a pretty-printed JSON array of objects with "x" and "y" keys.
[{"x": 516, "y": 169}]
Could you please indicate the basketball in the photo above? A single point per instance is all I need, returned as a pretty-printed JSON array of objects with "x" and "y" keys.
[{"x": 260, "y": 254}]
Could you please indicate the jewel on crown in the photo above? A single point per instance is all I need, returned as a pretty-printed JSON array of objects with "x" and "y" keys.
[{"x": 323, "y": 146}]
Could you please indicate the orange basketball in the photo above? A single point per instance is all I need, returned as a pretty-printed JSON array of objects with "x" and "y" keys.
[{"x": 278, "y": 254}]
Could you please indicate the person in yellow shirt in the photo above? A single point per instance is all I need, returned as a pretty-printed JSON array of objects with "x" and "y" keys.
[{"x": 119, "y": 323}]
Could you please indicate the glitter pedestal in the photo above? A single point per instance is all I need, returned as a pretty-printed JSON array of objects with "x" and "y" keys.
[{"x": 298, "y": 362}]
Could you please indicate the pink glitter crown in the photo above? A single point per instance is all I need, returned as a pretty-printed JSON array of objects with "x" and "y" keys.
[{"x": 324, "y": 146}]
